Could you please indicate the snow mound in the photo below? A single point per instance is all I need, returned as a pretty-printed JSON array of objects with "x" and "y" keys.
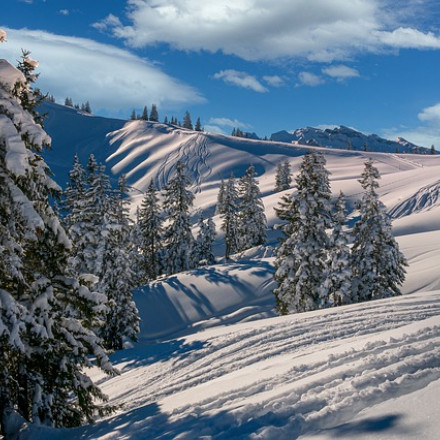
[
  {"x": 206, "y": 297},
  {"x": 424, "y": 199}
]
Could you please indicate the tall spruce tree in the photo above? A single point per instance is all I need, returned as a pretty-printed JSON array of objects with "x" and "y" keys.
[
  {"x": 301, "y": 257},
  {"x": 117, "y": 277},
  {"x": 283, "y": 177},
  {"x": 378, "y": 264},
  {"x": 229, "y": 211},
  {"x": 251, "y": 217},
  {"x": 187, "y": 121},
  {"x": 154, "y": 114},
  {"x": 339, "y": 282},
  {"x": 178, "y": 238},
  {"x": 144, "y": 115},
  {"x": 46, "y": 312},
  {"x": 202, "y": 249},
  {"x": 198, "y": 126},
  {"x": 150, "y": 231}
]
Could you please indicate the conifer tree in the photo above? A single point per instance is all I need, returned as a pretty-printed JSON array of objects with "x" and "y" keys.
[
  {"x": 339, "y": 282},
  {"x": 117, "y": 277},
  {"x": 301, "y": 257},
  {"x": 150, "y": 235},
  {"x": 230, "y": 217},
  {"x": 178, "y": 238},
  {"x": 251, "y": 217},
  {"x": 187, "y": 121},
  {"x": 133, "y": 116},
  {"x": 144, "y": 115},
  {"x": 154, "y": 115},
  {"x": 198, "y": 126},
  {"x": 46, "y": 312},
  {"x": 202, "y": 249},
  {"x": 283, "y": 178},
  {"x": 68, "y": 102},
  {"x": 378, "y": 264},
  {"x": 219, "y": 209}
]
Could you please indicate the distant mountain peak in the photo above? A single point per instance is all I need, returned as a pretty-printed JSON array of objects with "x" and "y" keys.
[{"x": 343, "y": 137}]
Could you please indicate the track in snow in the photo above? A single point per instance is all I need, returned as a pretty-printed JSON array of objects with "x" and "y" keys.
[{"x": 276, "y": 378}]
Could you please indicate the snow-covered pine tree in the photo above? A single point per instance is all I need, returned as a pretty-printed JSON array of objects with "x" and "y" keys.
[
  {"x": 202, "y": 249},
  {"x": 187, "y": 121},
  {"x": 178, "y": 238},
  {"x": 251, "y": 217},
  {"x": 230, "y": 217},
  {"x": 219, "y": 209},
  {"x": 74, "y": 194},
  {"x": 378, "y": 264},
  {"x": 283, "y": 177},
  {"x": 301, "y": 257},
  {"x": 117, "y": 277},
  {"x": 150, "y": 231},
  {"x": 339, "y": 282},
  {"x": 46, "y": 314}
]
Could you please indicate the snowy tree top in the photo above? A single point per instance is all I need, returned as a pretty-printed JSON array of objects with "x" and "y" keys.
[
  {"x": 31, "y": 62},
  {"x": 2, "y": 35},
  {"x": 10, "y": 75}
]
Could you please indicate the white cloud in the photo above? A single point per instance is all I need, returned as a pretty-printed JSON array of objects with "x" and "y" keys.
[
  {"x": 112, "y": 79},
  {"x": 340, "y": 72},
  {"x": 274, "y": 80},
  {"x": 226, "y": 122},
  {"x": 322, "y": 30},
  {"x": 431, "y": 115},
  {"x": 241, "y": 79},
  {"x": 310, "y": 79},
  {"x": 64, "y": 11}
]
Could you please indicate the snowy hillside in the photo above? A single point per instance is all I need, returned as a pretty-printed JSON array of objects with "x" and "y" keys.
[
  {"x": 285, "y": 377},
  {"x": 345, "y": 137},
  {"x": 213, "y": 360}
]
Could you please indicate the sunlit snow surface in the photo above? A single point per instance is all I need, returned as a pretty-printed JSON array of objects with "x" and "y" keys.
[{"x": 214, "y": 362}]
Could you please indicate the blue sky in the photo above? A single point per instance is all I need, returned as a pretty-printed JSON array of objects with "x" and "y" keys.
[{"x": 259, "y": 65}]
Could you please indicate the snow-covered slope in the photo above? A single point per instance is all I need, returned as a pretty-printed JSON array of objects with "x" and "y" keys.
[
  {"x": 283, "y": 377},
  {"x": 213, "y": 361},
  {"x": 347, "y": 138}
]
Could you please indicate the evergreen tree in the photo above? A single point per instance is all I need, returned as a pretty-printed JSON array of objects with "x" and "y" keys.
[
  {"x": 202, "y": 249},
  {"x": 187, "y": 121},
  {"x": 165, "y": 121},
  {"x": 151, "y": 235},
  {"x": 251, "y": 217},
  {"x": 117, "y": 277},
  {"x": 133, "y": 116},
  {"x": 339, "y": 283},
  {"x": 46, "y": 312},
  {"x": 378, "y": 265},
  {"x": 220, "y": 207},
  {"x": 283, "y": 177},
  {"x": 68, "y": 102},
  {"x": 432, "y": 151},
  {"x": 178, "y": 238},
  {"x": 144, "y": 115},
  {"x": 87, "y": 107},
  {"x": 198, "y": 126},
  {"x": 230, "y": 217},
  {"x": 154, "y": 115},
  {"x": 301, "y": 257}
]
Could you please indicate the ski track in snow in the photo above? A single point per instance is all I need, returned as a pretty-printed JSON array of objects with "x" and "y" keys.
[
  {"x": 280, "y": 377},
  {"x": 194, "y": 153}
]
